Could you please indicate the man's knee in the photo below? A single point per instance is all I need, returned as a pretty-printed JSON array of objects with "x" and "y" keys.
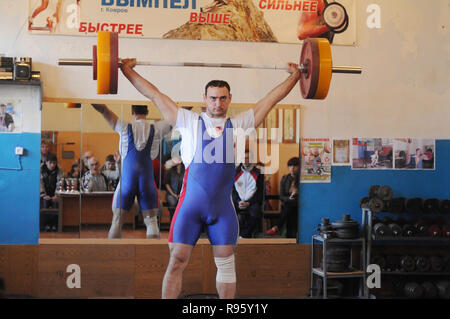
[{"x": 226, "y": 271}]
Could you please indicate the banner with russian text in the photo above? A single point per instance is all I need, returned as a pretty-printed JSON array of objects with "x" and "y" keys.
[{"x": 282, "y": 21}]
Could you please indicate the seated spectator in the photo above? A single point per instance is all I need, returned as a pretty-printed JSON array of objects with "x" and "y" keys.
[
  {"x": 289, "y": 200},
  {"x": 247, "y": 196},
  {"x": 84, "y": 162},
  {"x": 174, "y": 183},
  {"x": 45, "y": 150},
  {"x": 51, "y": 177},
  {"x": 93, "y": 180},
  {"x": 111, "y": 170},
  {"x": 74, "y": 170}
]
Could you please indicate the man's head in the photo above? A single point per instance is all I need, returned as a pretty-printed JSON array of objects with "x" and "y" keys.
[
  {"x": 247, "y": 158},
  {"x": 217, "y": 98},
  {"x": 86, "y": 156},
  {"x": 110, "y": 163},
  {"x": 293, "y": 165},
  {"x": 139, "y": 111},
  {"x": 45, "y": 147},
  {"x": 2, "y": 109},
  {"x": 94, "y": 166},
  {"x": 418, "y": 151},
  {"x": 51, "y": 162}
]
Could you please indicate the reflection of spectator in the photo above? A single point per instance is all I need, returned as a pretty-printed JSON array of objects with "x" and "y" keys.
[
  {"x": 50, "y": 177},
  {"x": 312, "y": 25},
  {"x": 111, "y": 170},
  {"x": 247, "y": 195},
  {"x": 94, "y": 180},
  {"x": 289, "y": 200},
  {"x": 6, "y": 120},
  {"x": 45, "y": 150},
  {"x": 85, "y": 162},
  {"x": 174, "y": 183}
]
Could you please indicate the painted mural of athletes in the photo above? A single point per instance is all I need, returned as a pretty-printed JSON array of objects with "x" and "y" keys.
[{"x": 330, "y": 18}]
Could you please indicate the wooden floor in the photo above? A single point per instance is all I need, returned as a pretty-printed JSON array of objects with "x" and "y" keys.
[{"x": 134, "y": 267}]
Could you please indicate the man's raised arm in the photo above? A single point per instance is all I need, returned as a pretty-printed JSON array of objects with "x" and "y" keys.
[
  {"x": 276, "y": 95},
  {"x": 166, "y": 106},
  {"x": 109, "y": 116}
]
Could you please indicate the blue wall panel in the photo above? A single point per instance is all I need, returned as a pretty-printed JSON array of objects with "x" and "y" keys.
[
  {"x": 348, "y": 186},
  {"x": 19, "y": 189}
]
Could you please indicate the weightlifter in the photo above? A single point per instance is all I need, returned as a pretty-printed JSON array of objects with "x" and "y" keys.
[
  {"x": 205, "y": 199},
  {"x": 139, "y": 145}
]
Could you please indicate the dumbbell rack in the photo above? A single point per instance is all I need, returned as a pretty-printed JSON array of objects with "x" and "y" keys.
[
  {"x": 371, "y": 238},
  {"x": 322, "y": 272}
]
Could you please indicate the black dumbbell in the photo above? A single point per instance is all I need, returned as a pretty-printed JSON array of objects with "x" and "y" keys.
[
  {"x": 413, "y": 290},
  {"x": 396, "y": 205},
  {"x": 382, "y": 230},
  {"x": 431, "y": 206},
  {"x": 429, "y": 290},
  {"x": 396, "y": 230},
  {"x": 444, "y": 206},
  {"x": 422, "y": 263},
  {"x": 408, "y": 230},
  {"x": 414, "y": 205},
  {"x": 407, "y": 263},
  {"x": 437, "y": 263},
  {"x": 443, "y": 287}
]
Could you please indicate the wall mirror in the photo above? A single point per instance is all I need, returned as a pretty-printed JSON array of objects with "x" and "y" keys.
[{"x": 84, "y": 142}]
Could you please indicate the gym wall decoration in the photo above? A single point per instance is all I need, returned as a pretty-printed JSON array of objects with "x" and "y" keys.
[
  {"x": 10, "y": 116},
  {"x": 316, "y": 160},
  {"x": 283, "y": 21},
  {"x": 393, "y": 153}
]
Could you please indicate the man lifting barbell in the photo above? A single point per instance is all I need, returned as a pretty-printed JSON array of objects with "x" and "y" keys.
[{"x": 205, "y": 199}]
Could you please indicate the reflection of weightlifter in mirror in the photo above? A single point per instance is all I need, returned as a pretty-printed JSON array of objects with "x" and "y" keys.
[{"x": 139, "y": 145}]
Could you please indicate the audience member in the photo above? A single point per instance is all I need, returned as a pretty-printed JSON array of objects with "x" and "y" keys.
[
  {"x": 51, "y": 176},
  {"x": 247, "y": 196},
  {"x": 84, "y": 162},
  {"x": 174, "y": 183},
  {"x": 289, "y": 200},
  {"x": 45, "y": 150},
  {"x": 111, "y": 170},
  {"x": 94, "y": 180}
]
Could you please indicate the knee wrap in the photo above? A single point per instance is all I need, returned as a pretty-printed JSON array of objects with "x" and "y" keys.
[{"x": 226, "y": 272}]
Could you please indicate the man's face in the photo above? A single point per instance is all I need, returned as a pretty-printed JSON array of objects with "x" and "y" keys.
[
  {"x": 217, "y": 100},
  {"x": 2, "y": 110},
  {"x": 110, "y": 166},
  {"x": 293, "y": 170},
  {"x": 51, "y": 165},
  {"x": 44, "y": 149},
  {"x": 94, "y": 167}
]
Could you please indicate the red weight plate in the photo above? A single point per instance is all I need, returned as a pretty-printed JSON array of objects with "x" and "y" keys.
[
  {"x": 94, "y": 62},
  {"x": 114, "y": 62},
  {"x": 310, "y": 57}
]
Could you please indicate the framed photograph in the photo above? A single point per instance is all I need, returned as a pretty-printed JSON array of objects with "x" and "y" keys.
[
  {"x": 372, "y": 153},
  {"x": 289, "y": 125},
  {"x": 341, "y": 152}
]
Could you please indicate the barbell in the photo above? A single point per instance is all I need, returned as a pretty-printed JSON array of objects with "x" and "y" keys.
[{"x": 315, "y": 65}]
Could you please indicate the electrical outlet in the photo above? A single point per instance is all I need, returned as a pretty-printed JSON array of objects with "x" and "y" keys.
[{"x": 19, "y": 150}]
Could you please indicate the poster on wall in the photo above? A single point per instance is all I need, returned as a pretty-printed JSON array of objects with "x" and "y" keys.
[
  {"x": 316, "y": 160},
  {"x": 10, "y": 117},
  {"x": 412, "y": 153},
  {"x": 283, "y": 21},
  {"x": 341, "y": 152},
  {"x": 372, "y": 153}
]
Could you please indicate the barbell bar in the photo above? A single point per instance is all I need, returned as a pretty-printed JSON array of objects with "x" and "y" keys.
[{"x": 315, "y": 65}]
